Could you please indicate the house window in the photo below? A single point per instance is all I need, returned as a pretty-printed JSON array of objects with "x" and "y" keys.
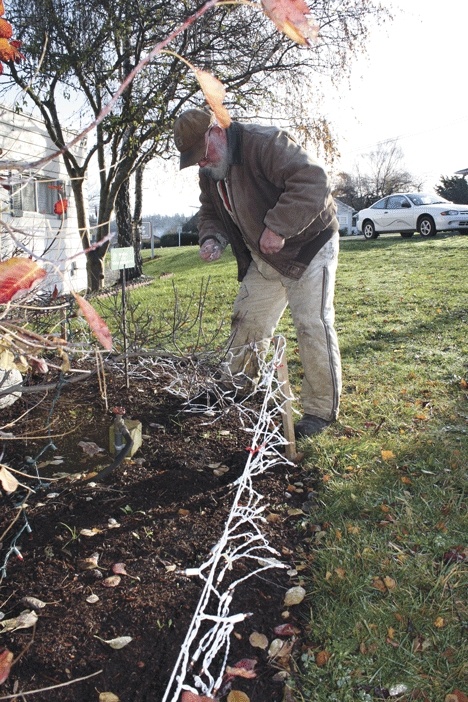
[{"x": 37, "y": 195}]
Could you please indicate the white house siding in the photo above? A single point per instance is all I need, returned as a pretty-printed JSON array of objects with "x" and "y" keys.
[
  {"x": 27, "y": 198},
  {"x": 345, "y": 217}
]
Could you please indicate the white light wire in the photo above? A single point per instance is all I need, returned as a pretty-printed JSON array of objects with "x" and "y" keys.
[{"x": 242, "y": 539}]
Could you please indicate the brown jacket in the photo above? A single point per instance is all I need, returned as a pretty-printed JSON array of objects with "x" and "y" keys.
[{"x": 272, "y": 182}]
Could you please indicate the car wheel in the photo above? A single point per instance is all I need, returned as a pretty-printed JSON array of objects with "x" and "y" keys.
[
  {"x": 368, "y": 230},
  {"x": 426, "y": 226},
  {"x": 406, "y": 235}
]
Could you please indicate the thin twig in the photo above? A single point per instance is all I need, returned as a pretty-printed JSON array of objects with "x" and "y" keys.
[{"x": 52, "y": 687}]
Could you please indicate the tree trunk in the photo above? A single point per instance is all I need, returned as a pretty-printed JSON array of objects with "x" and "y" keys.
[
  {"x": 137, "y": 220},
  {"x": 123, "y": 218}
]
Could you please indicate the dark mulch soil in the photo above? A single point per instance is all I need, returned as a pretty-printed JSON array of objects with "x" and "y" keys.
[{"x": 170, "y": 509}]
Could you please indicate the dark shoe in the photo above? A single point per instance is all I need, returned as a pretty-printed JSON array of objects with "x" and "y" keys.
[{"x": 310, "y": 425}]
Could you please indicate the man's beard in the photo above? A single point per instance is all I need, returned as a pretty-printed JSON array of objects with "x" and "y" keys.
[{"x": 218, "y": 172}]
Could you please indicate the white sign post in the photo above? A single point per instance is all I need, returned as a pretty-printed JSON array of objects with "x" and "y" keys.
[{"x": 122, "y": 258}]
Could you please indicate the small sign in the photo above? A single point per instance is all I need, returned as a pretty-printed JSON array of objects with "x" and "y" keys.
[{"x": 122, "y": 258}]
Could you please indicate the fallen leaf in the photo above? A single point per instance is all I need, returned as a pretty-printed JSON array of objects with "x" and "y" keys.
[
  {"x": 90, "y": 448},
  {"x": 420, "y": 644},
  {"x": 88, "y": 563},
  {"x": 322, "y": 658},
  {"x": 244, "y": 665},
  {"x": 33, "y": 602},
  {"x": 92, "y": 599},
  {"x": 237, "y": 696},
  {"x": 294, "y": 596},
  {"x": 457, "y": 554},
  {"x": 189, "y": 696},
  {"x": 456, "y": 696},
  {"x": 119, "y": 569},
  {"x": 379, "y": 584},
  {"x": 108, "y": 697},
  {"x": 387, "y": 455},
  {"x": 112, "y": 581},
  {"x": 18, "y": 275},
  {"x": 258, "y": 640},
  {"x": 6, "y": 659},
  {"x": 240, "y": 672},
  {"x": 396, "y": 690},
  {"x": 8, "y": 480},
  {"x": 390, "y": 583},
  {"x": 89, "y": 532},
  {"x": 96, "y": 323},
  {"x": 119, "y": 642},
  {"x": 25, "y": 620},
  {"x": 439, "y": 622},
  {"x": 286, "y": 630},
  {"x": 280, "y": 649},
  {"x": 295, "y": 512}
]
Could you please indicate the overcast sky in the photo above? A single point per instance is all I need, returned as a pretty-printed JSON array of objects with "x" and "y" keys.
[{"x": 411, "y": 86}]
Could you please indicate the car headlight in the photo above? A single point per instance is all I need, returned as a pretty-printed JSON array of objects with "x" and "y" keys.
[{"x": 449, "y": 213}]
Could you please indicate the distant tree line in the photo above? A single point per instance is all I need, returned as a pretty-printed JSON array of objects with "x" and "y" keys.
[{"x": 382, "y": 173}]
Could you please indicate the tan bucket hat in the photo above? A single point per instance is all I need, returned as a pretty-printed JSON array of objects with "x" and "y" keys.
[{"x": 189, "y": 136}]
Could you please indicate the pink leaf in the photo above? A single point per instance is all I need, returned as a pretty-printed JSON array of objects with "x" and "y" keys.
[
  {"x": 96, "y": 323},
  {"x": 119, "y": 569},
  {"x": 189, "y": 696},
  {"x": 242, "y": 669},
  {"x": 286, "y": 630},
  {"x": 6, "y": 659},
  {"x": 18, "y": 275},
  {"x": 292, "y": 17}
]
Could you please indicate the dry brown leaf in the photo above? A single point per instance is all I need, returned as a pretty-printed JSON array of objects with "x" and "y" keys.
[
  {"x": 89, "y": 532},
  {"x": 117, "y": 643},
  {"x": 258, "y": 640},
  {"x": 456, "y": 696},
  {"x": 237, "y": 696},
  {"x": 33, "y": 602},
  {"x": 294, "y": 596},
  {"x": 88, "y": 563},
  {"x": 390, "y": 583},
  {"x": 214, "y": 92},
  {"x": 111, "y": 581},
  {"x": 90, "y": 447},
  {"x": 108, "y": 697},
  {"x": 23, "y": 621},
  {"x": 379, "y": 584},
  {"x": 8, "y": 480},
  {"x": 387, "y": 455},
  {"x": 322, "y": 658}
]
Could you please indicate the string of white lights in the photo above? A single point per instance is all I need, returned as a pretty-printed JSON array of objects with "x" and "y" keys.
[{"x": 204, "y": 653}]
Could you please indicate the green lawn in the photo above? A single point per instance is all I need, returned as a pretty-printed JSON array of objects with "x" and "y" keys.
[{"x": 382, "y": 552}]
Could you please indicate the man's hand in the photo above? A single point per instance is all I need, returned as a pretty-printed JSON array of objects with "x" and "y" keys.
[
  {"x": 270, "y": 242},
  {"x": 210, "y": 250}
]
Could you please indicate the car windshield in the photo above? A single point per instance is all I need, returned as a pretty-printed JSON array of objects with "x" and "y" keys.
[{"x": 426, "y": 199}]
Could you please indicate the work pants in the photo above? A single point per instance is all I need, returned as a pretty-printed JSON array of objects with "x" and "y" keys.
[{"x": 263, "y": 296}]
